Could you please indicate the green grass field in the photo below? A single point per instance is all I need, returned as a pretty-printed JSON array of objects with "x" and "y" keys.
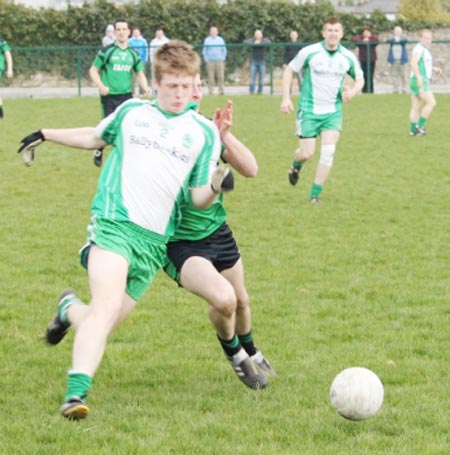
[{"x": 359, "y": 280}]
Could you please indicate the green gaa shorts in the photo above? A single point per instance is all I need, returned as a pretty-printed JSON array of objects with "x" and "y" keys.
[
  {"x": 144, "y": 250},
  {"x": 311, "y": 125},
  {"x": 415, "y": 90}
]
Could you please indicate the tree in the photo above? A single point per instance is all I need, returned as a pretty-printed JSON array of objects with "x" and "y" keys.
[{"x": 428, "y": 11}]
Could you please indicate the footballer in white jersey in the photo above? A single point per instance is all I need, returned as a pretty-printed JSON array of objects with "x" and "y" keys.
[{"x": 325, "y": 66}]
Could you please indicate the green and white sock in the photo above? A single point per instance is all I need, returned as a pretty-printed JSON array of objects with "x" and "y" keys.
[
  {"x": 64, "y": 306},
  {"x": 421, "y": 122},
  {"x": 412, "y": 127}
]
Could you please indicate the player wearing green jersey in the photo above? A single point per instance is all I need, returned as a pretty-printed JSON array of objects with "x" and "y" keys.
[
  {"x": 319, "y": 113},
  {"x": 6, "y": 66},
  {"x": 422, "y": 99},
  {"x": 163, "y": 151},
  {"x": 205, "y": 260},
  {"x": 112, "y": 73}
]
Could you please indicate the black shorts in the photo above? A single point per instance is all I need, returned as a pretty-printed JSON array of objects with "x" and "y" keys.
[
  {"x": 219, "y": 248},
  {"x": 110, "y": 102}
]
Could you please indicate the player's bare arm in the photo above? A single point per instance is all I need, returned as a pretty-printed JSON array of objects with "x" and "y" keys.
[
  {"x": 236, "y": 154},
  {"x": 286, "y": 103},
  {"x": 349, "y": 93},
  {"x": 82, "y": 138},
  {"x": 222, "y": 180},
  {"x": 94, "y": 72},
  {"x": 143, "y": 84}
]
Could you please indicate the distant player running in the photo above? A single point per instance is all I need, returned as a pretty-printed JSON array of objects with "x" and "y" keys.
[
  {"x": 422, "y": 99},
  {"x": 325, "y": 66},
  {"x": 6, "y": 66}
]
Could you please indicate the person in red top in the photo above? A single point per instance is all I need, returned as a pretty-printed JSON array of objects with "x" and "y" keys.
[{"x": 367, "y": 55}]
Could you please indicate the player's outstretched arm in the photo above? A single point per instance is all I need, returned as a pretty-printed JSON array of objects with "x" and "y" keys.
[{"x": 82, "y": 138}]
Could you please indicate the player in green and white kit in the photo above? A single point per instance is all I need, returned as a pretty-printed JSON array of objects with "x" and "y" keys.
[
  {"x": 112, "y": 73},
  {"x": 422, "y": 99},
  {"x": 162, "y": 151},
  {"x": 6, "y": 66},
  {"x": 319, "y": 113}
]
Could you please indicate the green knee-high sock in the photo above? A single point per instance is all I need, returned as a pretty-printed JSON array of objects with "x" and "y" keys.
[
  {"x": 421, "y": 122},
  {"x": 316, "y": 189},
  {"x": 78, "y": 385},
  {"x": 248, "y": 343},
  {"x": 412, "y": 127}
]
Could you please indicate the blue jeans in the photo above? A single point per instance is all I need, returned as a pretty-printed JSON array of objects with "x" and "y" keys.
[{"x": 257, "y": 67}]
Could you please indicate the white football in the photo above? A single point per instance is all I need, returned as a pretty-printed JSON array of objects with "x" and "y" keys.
[{"x": 357, "y": 393}]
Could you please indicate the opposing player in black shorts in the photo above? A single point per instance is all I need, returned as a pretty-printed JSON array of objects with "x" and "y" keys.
[{"x": 205, "y": 260}]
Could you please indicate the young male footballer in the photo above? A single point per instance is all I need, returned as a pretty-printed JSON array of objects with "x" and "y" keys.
[
  {"x": 319, "y": 113},
  {"x": 162, "y": 150}
]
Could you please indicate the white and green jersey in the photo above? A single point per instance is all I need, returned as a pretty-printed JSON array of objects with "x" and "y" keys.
[
  {"x": 156, "y": 158},
  {"x": 323, "y": 79},
  {"x": 425, "y": 61}
]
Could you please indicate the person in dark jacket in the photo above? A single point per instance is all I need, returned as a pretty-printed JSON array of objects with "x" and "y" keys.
[
  {"x": 367, "y": 56},
  {"x": 398, "y": 59},
  {"x": 257, "y": 60}
]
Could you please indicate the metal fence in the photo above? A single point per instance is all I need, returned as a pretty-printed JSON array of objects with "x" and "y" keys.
[{"x": 64, "y": 71}]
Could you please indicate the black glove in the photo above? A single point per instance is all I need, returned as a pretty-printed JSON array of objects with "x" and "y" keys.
[
  {"x": 222, "y": 179},
  {"x": 28, "y": 144}
]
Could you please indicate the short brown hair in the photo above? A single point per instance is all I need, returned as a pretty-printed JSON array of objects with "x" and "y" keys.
[
  {"x": 332, "y": 21},
  {"x": 175, "y": 56}
]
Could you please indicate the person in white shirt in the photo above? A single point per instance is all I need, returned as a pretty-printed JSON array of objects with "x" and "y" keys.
[
  {"x": 319, "y": 113},
  {"x": 159, "y": 40}
]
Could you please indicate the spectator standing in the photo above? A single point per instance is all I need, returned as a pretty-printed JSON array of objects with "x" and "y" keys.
[
  {"x": 291, "y": 50},
  {"x": 367, "y": 56},
  {"x": 6, "y": 66},
  {"x": 112, "y": 72},
  {"x": 110, "y": 36},
  {"x": 257, "y": 60},
  {"x": 398, "y": 59},
  {"x": 215, "y": 53},
  {"x": 139, "y": 44},
  {"x": 159, "y": 40}
]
